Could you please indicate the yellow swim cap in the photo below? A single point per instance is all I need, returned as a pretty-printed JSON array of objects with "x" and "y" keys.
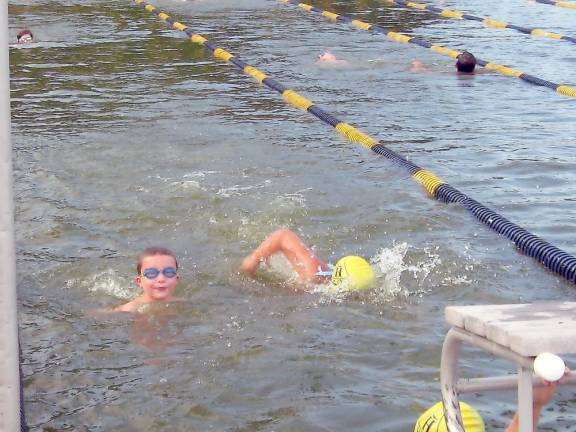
[
  {"x": 433, "y": 419},
  {"x": 355, "y": 272}
]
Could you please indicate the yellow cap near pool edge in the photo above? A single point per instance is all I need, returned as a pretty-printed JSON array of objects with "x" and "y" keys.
[
  {"x": 433, "y": 419},
  {"x": 355, "y": 272}
]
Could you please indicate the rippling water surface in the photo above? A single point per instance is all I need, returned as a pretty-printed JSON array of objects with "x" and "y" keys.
[{"x": 127, "y": 135}]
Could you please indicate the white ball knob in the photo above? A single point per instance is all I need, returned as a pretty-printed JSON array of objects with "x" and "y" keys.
[{"x": 549, "y": 366}]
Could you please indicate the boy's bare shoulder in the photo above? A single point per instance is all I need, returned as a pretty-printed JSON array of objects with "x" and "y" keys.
[
  {"x": 137, "y": 305},
  {"x": 127, "y": 307},
  {"x": 132, "y": 306}
]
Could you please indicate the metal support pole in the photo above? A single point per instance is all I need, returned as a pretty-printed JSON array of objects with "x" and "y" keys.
[
  {"x": 449, "y": 381},
  {"x": 9, "y": 361},
  {"x": 525, "y": 399},
  {"x": 508, "y": 382}
]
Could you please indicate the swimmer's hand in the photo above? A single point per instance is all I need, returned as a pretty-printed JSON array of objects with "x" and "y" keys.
[
  {"x": 249, "y": 265},
  {"x": 542, "y": 395}
]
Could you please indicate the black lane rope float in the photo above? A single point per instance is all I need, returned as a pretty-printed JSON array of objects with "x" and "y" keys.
[
  {"x": 564, "y": 4},
  {"x": 402, "y": 38},
  {"x": 488, "y": 22},
  {"x": 550, "y": 256}
]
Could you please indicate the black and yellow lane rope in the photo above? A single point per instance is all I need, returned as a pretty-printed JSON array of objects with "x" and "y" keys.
[
  {"x": 564, "y": 4},
  {"x": 488, "y": 22},
  {"x": 550, "y": 256},
  {"x": 562, "y": 89}
]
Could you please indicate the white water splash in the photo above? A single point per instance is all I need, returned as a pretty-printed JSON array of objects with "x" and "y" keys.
[
  {"x": 279, "y": 265},
  {"x": 290, "y": 199},
  {"x": 201, "y": 174},
  {"x": 390, "y": 267},
  {"x": 235, "y": 190},
  {"x": 109, "y": 282},
  {"x": 187, "y": 184},
  {"x": 191, "y": 180}
]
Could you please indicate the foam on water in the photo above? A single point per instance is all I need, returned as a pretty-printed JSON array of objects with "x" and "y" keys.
[
  {"x": 279, "y": 265},
  {"x": 235, "y": 190},
  {"x": 150, "y": 102},
  {"x": 110, "y": 283},
  {"x": 187, "y": 184},
  {"x": 390, "y": 266}
]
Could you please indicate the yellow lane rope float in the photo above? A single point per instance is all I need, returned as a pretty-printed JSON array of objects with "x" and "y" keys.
[
  {"x": 562, "y": 89},
  {"x": 488, "y": 22},
  {"x": 564, "y": 4},
  {"x": 550, "y": 256}
]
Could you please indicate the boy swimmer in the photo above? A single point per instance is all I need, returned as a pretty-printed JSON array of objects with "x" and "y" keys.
[
  {"x": 25, "y": 36},
  {"x": 354, "y": 271},
  {"x": 157, "y": 275}
]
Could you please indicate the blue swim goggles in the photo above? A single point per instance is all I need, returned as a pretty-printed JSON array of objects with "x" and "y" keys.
[
  {"x": 325, "y": 272},
  {"x": 152, "y": 273}
]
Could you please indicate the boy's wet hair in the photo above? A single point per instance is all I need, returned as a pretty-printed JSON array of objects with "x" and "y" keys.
[
  {"x": 24, "y": 33},
  {"x": 466, "y": 62},
  {"x": 152, "y": 251}
]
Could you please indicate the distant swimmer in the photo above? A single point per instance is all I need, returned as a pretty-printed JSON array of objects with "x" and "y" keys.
[
  {"x": 465, "y": 62},
  {"x": 417, "y": 66},
  {"x": 157, "y": 275},
  {"x": 327, "y": 58},
  {"x": 25, "y": 36},
  {"x": 353, "y": 272}
]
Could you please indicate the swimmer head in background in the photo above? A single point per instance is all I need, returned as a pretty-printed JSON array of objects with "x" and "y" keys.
[
  {"x": 353, "y": 272},
  {"x": 432, "y": 420},
  {"x": 24, "y": 36},
  {"x": 417, "y": 66},
  {"x": 327, "y": 57},
  {"x": 466, "y": 62}
]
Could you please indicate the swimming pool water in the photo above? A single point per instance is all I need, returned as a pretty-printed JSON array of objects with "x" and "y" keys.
[{"x": 127, "y": 135}]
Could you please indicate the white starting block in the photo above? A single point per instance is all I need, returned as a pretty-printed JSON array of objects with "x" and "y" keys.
[{"x": 516, "y": 332}]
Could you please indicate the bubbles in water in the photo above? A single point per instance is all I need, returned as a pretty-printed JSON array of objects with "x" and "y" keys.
[
  {"x": 186, "y": 184},
  {"x": 390, "y": 266},
  {"x": 422, "y": 269},
  {"x": 297, "y": 198},
  {"x": 401, "y": 271},
  {"x": 190, "y": 180},
  {"x": 236, "y": 190},
  {"x": 200, "y": 174},
  {"x": 108, "y": 282},
  {"x": 331, "y": 293},
  {"x": 280, "y": 266}
]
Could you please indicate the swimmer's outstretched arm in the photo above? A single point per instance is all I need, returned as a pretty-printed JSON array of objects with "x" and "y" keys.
[{"x": 283, "y": 240}]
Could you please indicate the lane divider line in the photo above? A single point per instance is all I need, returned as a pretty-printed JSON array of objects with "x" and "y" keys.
[
  {"x": 564, "y": 4},
  {"x": 488, "y": 22}
]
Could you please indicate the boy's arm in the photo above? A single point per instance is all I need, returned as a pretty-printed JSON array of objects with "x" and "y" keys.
[
  {"x": 126, "y": 307},
  {"x": 541, "y": 397},
  {"x": 131, "y": 306},
  {"x": 283, "y": 240}
]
